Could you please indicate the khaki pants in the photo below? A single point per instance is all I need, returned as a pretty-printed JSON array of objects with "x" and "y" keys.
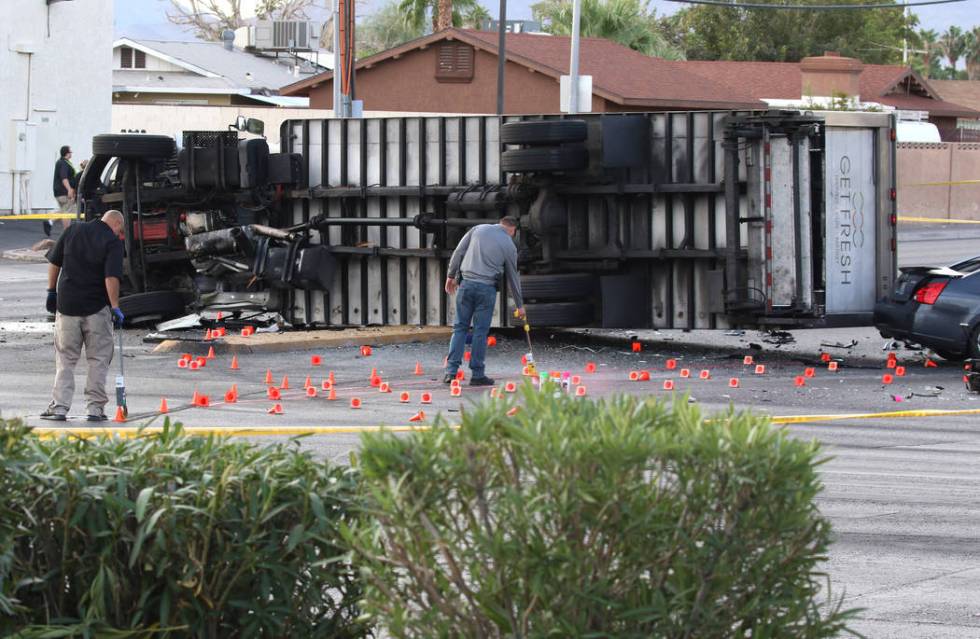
[
  {"x": 71, "y": 333},
  {"x": 65, "y": 205}
]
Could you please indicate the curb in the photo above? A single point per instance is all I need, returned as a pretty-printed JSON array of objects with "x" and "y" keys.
[
  {"x": 25, "y": 255},
  {"x": 309, "y": 340}
]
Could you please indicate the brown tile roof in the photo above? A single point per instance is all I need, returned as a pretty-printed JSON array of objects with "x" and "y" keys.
[
  {"x": 619, "y": 74},
  {"x": 962, "y": 92}
]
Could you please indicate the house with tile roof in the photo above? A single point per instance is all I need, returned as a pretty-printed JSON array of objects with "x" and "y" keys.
[
  {"x": 966, "y": 93},
  {"x": 456, "y": 71}
]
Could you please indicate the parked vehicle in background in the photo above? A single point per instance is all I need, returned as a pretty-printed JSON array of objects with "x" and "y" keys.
[
  {"x": 937, "y": 307},
  {"x": 676, "y": 220}
]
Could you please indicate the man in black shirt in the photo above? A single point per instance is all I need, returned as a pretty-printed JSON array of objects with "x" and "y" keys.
[
  {"x": 64, "y": 181},
  {"x": 85, "y": 268}
]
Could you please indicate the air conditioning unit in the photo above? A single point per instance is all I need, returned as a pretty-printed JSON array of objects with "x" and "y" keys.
[{"x": 281, "y": 35}]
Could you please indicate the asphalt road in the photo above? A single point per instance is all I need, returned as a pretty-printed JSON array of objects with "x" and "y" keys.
[{"x": 901, "y": 493}]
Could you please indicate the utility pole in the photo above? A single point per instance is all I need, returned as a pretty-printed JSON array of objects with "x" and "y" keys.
[
  {"x": 345, "y": 64},
  {"x": 336, "y": 58},
  {"x": 573, "y": 63},
  {"x": 501, "y": 55},
  {"x": 905, "y": 38}
]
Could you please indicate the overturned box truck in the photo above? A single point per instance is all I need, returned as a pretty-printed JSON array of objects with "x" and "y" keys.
[{"x": 667, "y": 220}]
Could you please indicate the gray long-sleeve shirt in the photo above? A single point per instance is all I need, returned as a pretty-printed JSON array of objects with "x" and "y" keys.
[{"x": 483, "y": 254}]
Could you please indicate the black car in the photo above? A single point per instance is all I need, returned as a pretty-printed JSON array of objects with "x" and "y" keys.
[{"x": 937, "y": 307}]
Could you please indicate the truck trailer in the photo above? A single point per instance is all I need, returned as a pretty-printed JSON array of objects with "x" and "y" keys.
[{"x": 633, "y": 220}]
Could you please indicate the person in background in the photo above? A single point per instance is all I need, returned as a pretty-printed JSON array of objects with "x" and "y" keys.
[
  {"x": 64, "y": 186},
  {"x": 86, "y": 266},
  {"x": 484, "y": 254}
]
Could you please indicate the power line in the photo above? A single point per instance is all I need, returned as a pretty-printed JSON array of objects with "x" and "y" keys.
[{"x": 812, "y": 7}]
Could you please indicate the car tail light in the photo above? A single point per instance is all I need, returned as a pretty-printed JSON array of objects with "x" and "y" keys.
[{"x": 929, "y": 293}]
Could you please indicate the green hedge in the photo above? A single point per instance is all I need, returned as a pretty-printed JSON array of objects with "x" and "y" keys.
[
  {"x": 170, "y": 535},
  {"x": 618, "y": 518}
]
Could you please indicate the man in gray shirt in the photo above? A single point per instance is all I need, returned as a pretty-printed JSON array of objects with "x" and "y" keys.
[{"x": 483, "y": 255}]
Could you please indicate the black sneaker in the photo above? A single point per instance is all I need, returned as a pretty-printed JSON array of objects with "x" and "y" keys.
[
  {"x": 98, "y": 418},
  {"x": 47, "y": 225},
  {"x": 448, "y": 379},
  {"x": 52, "y": 416},
  {"x": 481, "y": 381}
]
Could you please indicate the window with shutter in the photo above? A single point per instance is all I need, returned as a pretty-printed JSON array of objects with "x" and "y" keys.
[
  {"x": 454, "y": 62},
  {"x": 139, "y": 59},
  {"x": 125, "y": 58}
]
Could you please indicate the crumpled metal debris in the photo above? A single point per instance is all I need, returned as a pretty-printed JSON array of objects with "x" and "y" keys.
[
  {"x": 853, "y": 343},
  {"x": 779, "y": 338}
]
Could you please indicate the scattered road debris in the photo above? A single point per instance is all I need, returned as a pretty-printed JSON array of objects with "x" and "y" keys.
[{"x": 853, "y": 343}]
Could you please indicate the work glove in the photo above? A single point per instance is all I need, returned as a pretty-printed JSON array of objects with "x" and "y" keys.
[
  {"x": 52, "y": 303},
  {"x": 117, "y": 317}
]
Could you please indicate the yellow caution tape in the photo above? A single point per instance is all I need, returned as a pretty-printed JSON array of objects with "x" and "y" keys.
[
  {"x": 956, "y": 183},
  {"x": 280, "y": 431},
  {"x": 934, "y": 220},
  {"x": 40, "y": 216}
]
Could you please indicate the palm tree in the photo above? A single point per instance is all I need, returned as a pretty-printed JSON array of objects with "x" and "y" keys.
[
  {"x": 972, "y": 53},
  {"x": 928, "y": 47},
  {"x": 628, "y": 22},
  {"x": 953, "y": 45},
  {"x": 445, "y": 13}
]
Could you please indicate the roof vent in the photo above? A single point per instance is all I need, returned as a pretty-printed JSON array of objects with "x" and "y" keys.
[{"x": 830, "y": 75}]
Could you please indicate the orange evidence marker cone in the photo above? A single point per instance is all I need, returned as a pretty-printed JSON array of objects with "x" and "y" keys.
[
  {"x": 513, "y": 411},
  {"x": 832, "y": 366},
  {"x": 705, "y": 374},
  {"x": 274, "y": 393},
  {"x": 733, "y": 382},
  {"x": 404, "y": 397},
  {"x": 120, "y": 415},
  {"x": 211, "y": 352},
  {"x": 575, "y": 380},
  {"x": 590, "y": 367},
  {"x": 491, "y": 340},
  {"x": 316, "y": 360},
  {"x": 234, "y": 362},
  {"x": 417, "y": 417},
  {"x": 187, "y": 357},
  {"x": 307, "y": 382},
  {"x": 311, "y": 391},
  {"x": 384, "y": 387},
  {"x": 231, "y": 397},
  {"x": 580, "y": 391},
  {"x": 375, "y": 381},
  {"x": 930, "y": 364},
  {"x": 747, "y": 360},
  {"x": 800, "y": 380},
  {"x": 668, "y": 384},
  {"x": 524, "y": 359},
  {"x": 887, "y": 379},
  {"x": 326, "y": 385},
  {"x": 671, "y": 364},
  {"x": 636, "y": 347},
  {"x": 285, "y": 382},
  {"x": 330, "y": 378},
  {"x": 365, "y": 351},
  {"x": 193, "y": 365},
  {"x": 201, "y": 362},
  {"x": 510, "y": 387},
  {"x": 276, "y": 409},
  {"x": 355, "y": 402},
  {"x": 900, "y": 371},
  {"x": 454, "y": 383},
  {"x": 418, "y": 368},
  {"x": 268, "y": 376},
  {"x": 207, "y": 335},
  {"x": 467, "y": 356},
  {"x": 181, "y": 363},
  {"x": 194, "y": 398},
  {"x": 824, "y": 357},
  {"x": 760, "y": 369},
  {"x": 809, "y": 372},
  {"x": 426, "y": 398},
  {"x": 634, "y": 376},
  {"x": 332, "y": 396},
  {"x": 203, "y": 401},
  {"x": 455, "y": 391},
  {"x": 685, "y": 373},
  {"x": 644, "y": 376},
  {"x": 891, "y": 363},
  {"x": 460, "y": 375},
  {"x": 163, "y": 406}
]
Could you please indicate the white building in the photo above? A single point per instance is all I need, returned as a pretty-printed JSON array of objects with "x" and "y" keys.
[{"x": 56, "y": 88}]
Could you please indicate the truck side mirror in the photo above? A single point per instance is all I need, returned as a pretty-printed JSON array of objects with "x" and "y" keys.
[
  {"x": 241, "y": 122},
  {"x": 255, "y": 126}
]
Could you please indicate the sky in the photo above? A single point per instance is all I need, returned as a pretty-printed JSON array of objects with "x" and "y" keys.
[{"x": 147, "y": 18}]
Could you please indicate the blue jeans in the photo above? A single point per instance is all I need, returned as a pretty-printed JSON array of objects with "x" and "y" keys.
[{"x": 474, "y": 302}]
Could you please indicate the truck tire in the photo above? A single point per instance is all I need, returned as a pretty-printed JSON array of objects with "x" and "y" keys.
[
  {"x": 533, "y": 132},
  {"x": 545, "y": 159},
  {"x": 560, "y": 286},
  {"x": 560, "y": 314},
  {"x": 133, "y": 146},
  {"x": 154, "y": 306}
]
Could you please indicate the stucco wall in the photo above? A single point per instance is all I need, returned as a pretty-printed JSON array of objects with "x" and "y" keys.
[
  {"x": 939, "y": 180},
  {"x": 409, "y": 84},
  {"x": 63, "y": 87}
]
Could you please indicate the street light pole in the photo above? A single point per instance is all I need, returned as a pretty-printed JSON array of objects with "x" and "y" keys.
[
  {"x": 573, "y": 105},
  {"x": 336, "y": 58},
  {"x": 501, "y": 55}
]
